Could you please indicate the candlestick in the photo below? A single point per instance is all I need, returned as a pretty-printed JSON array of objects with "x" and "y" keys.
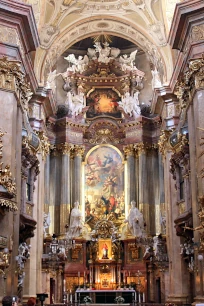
[
  {"x": 139, "y": 298},
  {"x": 64, "y": 285}
]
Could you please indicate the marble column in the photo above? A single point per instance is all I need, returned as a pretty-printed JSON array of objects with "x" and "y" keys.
[
  {"x": 196, "y": 127},
  {"x": 178, "y": 290},
  {"x": 65, "y": 187},
  {"x": 11, "y": 125},
  {"x": 130, "y": 174},
  {"x": 143, "y": 184},
  {"x": 77, "y": 174},
  {"x": 55, "y": 191}
]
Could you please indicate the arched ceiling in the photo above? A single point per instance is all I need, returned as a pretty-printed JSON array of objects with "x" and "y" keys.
[{"x": 63, "y": 23}]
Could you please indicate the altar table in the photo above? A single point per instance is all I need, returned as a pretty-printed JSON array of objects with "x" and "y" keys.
[{"x": 105, "y": 296}]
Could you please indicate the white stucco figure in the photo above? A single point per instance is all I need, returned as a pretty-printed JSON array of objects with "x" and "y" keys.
[
  {"x": 76, "y": 225},
  {"x": 135, "y": 221},
  {"x": 46, "y": 222},
  {"x": 128, "y": 62},
  {"x": 103, "y": 53},
  {"x": 156, "y": 81},
  {"x": 79, "y": 65},
  {"x": 51, "y": 83},
  {"x": 75, "y": 103}
]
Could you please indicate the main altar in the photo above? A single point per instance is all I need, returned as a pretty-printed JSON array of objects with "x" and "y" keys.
[{"x": 102, "y": 252}]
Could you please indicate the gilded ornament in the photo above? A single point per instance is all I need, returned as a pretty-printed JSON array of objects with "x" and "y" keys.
[
  {"x": 79, "y": 150},
  {"x": 129, "y": 150},
  {"x": 163, "y": 141},
  {"x": 65, "y": 148},
  {"x": 12, "y": 78},
  {"x": 140, "y": 148},
  {"x": 104, "y": 136},
  {"x": 44, "y": 144},
  {"x": 8, "y": 204}
]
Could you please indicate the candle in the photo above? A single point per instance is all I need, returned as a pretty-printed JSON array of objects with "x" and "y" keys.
[
  {"x": 78, "y": 274},
  {"x": 139, "y": 298},
  {"x": 84, "y": 274},
  {"x": 64, "y": 285},
  {"x": 143, "y": 299},
  {"x": 70, "y": 298}
]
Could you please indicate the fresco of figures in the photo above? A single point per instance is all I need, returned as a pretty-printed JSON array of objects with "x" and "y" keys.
[
  {"x": 104, "y": 186},
  {"x": 103, "y": 102}
]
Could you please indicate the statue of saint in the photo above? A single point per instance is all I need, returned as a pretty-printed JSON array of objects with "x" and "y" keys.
[
  {"x": 76, "y": 225},
  {"x": 135, "y": 221}
]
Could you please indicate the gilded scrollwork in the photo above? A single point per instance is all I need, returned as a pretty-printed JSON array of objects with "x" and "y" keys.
[
  {"x": 163, "y": 141},
  {"x": 44, "y": 144},
  {"x": 104, "y": 136},
  {"x": 12, "y": 78},
  {"x": 7, "y": 182}
]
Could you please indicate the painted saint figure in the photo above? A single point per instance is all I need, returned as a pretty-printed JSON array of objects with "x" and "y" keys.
[{"x": 105, "y": 251}]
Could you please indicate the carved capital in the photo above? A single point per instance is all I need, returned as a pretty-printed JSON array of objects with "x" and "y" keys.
[
  {"x": 129, "y": 150},
  {"x": 139, "y": 148},
  {"x": 12, "y": 78},
  {"x": 79, "y": 150},
  {"x": 65, "y": 148}
]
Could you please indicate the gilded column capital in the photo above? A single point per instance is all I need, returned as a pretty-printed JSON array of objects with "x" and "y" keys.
[
  {"x": 54, "y": 150},
  {"x": 193, "y": 79},
  {"x": 139, "y": 148},
  {"x": 44, "y": 144},
  {"x": 128, "y": 150},
  {"x": 12, "y": 78},
  {"x": 65, "y": 148},
  {"x": 79, "y": 150},
  {"x": 163, "y": 142}
]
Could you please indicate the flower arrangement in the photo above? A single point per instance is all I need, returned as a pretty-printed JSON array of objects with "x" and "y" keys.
[
  {"x": 119, "y": 300},
  {"x": 87, "y": 299}
]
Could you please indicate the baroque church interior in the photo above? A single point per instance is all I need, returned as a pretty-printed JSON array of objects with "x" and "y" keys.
[{"x": 101, "y": 148}]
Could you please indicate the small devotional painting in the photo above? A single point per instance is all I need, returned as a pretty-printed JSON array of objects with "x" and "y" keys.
[
  {"x": 103, "y": 102},
  {"x": 105, "y": 251},
  {"x": 104, "y": 186}
]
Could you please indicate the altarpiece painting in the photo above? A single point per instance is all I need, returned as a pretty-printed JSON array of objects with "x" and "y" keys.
[{"x": 104, "y": 185}]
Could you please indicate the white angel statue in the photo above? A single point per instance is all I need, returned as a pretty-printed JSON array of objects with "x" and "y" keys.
[
  {"x": 128, "y": 63},
  {"x": 79, "y": 65}
]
